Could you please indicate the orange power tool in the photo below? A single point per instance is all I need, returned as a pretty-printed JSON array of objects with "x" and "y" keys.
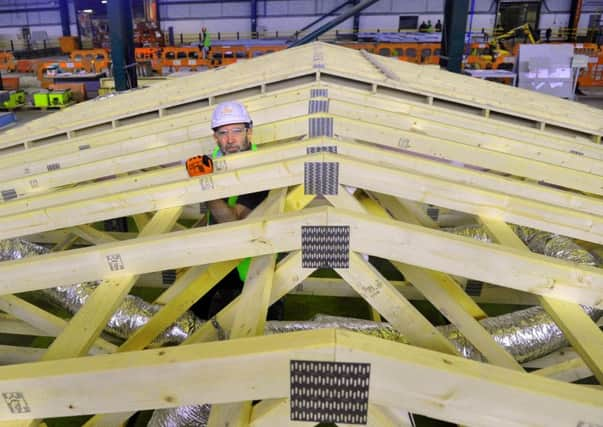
[{"x": 199, "y": 165}]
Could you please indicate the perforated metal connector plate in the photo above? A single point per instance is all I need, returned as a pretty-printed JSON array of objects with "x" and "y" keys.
[
  {"x": 332, "y": 392},
  {"x": 9, "y": 194},
  {"x": 168, "y": 277},
  {"x": 321, "y": 178},
  {"x": 320, "y": 126},
  {"x": 321, "y": 148},
  {"x": 474, "y": 288},
  {"x": 318, "y": 106},
  {"x": 325, "y": 246},
  {"x": 318, "y": 93}
]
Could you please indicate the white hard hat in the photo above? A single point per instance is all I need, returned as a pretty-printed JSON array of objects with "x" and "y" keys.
[{"x": 228, "y": 113}]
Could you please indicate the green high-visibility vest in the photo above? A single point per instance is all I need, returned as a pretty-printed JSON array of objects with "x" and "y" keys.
[{"x": 243, "y": 267}]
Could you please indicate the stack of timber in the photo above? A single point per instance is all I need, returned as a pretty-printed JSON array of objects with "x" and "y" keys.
[{"x": 404, "y": 136}]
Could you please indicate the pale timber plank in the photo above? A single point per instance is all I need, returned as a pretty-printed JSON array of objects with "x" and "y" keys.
[
  {"x": 44, "y": 321},
  {"x": 12, "y": 354},
  {"x": 288, "y": 274},
  {"x": 478, "y": 179},
  {"x": 499, "y": 265},
  {"x": 197, "y": 88},
  {"x": 424, "y": 116},
  {"x": 468, "y": 199},
  {"x": 442, "y": 291},
  {"x": 183, "y": 192},
  {"x": 87, "y": 324},
  {"x": 476, "y": 156},
  {"x": 388, "y": 205},
  {"x": 457, "y": 390},
  {"x": 11, "y": 325},
  {"x": 461, "y": 89},
  {"x": 568, "y": 371},
  {"x": 440, "y": 386},
  {"x": 338, "y": 288},
  {"x": 73, "y": 165},
  {"x": 250, "y": 316},
  {"x": 236, "y": 370},
  {"x": 249, "y": 237},
  {"x": 360, "y": 114},
  {"x": 402, "y": 315}
]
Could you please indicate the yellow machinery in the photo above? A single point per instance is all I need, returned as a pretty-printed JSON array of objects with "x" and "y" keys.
[
  {"x": 492, "y": 55},
  {"x": 522, "y": 30}
]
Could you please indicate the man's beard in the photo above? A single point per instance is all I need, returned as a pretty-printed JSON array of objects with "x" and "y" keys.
[{"x": 244, "y": 147}]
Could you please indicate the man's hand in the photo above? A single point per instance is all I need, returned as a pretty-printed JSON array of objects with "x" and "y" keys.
[{"x": 224, "y": 213}]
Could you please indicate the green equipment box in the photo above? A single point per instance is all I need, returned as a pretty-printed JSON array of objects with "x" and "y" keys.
[
  {"x": 40, "y": 99},
  {"x": 59, "y": 97},
  {"x": 16, "y": 99},
  {"x": 52, "y": 98}
]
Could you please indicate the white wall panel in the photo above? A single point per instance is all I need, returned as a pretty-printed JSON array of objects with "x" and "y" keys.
[
  {"x": 382, "y": 6},
  {"x": 485, "y": 21},
  {"x": 327, "y": 5},
  {"x": 556, "y": 6},
  {"x": 436, "y": 6},
  {"x": 412, "y": 7},
  {"x": 53, "y": 31},
  {"x": 192, "y": 26},
  {"x": 301, "y": 7},
  {"x": 242, "y": 9},
  {"x": 277, "y": 7},
  {"x": 554, "y": 20},
  {"x": 177, "y": 11},
  {"x": 50, "y": 17},
  {"x": 284, "y": 25},
  {"x": 34, "y": 18},
  {"x": 482, "y": 6},
  {"x": 6, "y": 19},
  {"x": 379, "y": 22},
  {"x": 592, "y": 6},
  {"x": 584, "y": 20},
  {"x": 18, "y": 18},
  {"x": 209, "y": 10}
]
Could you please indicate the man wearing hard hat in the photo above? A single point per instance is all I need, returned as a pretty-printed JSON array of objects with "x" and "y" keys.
[{"x": 233, "y": 129}]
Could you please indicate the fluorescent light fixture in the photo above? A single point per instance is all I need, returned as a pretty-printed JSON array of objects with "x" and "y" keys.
[
  {"x": 104, "y": 1},
  {"x": 87, "y": 10}
]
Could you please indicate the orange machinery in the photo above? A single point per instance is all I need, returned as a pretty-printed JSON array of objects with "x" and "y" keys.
[
  {"x": 150, "y": 54},
  {"x": 227, "y": 54},
  {"x": 183, "y": 57},
  {"x": 593, "y": 74},
  {"x": 46, "y": 72},
  {"x": 224, "y": 54},
  {"x": 7, "y": 62},
  {"x": 418, "y": 53},
  {"x": 90, "y": 60}
]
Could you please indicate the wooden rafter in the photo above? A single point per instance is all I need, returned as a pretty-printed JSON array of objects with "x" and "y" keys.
[{"x": 456, "y": 384}]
